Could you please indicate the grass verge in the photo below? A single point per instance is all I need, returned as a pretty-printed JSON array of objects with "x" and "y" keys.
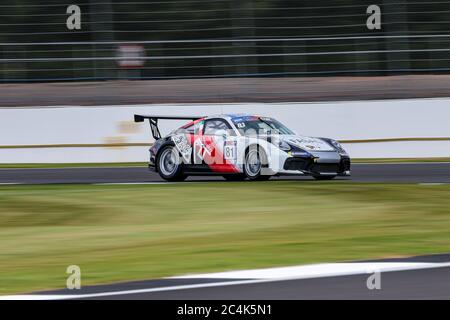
[{"x": 118, "y": 233}]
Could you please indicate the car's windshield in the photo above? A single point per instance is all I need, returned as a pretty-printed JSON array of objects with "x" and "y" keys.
[{"x": 253, "y": 125}]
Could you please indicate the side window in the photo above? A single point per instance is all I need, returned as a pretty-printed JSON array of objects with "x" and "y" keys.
[
  {"x": 193, "y": 128},
  {"x": 213, "y": 125}
]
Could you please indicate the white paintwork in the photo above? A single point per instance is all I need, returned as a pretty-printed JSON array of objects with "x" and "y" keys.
[
  {"x": 313, "y": 271},
  {"x": 338, "y": 120}
]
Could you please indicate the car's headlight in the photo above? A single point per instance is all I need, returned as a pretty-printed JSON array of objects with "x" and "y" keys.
[{"x": 284, "y": 146}]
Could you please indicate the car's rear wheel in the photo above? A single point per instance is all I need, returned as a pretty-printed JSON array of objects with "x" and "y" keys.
[
  {"x": 323, "y": 178},
  {"x": 169, "y": 164},
  {"x": 255, "y": 158}
]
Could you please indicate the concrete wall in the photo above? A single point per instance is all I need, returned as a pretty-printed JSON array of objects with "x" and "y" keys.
[{"x": 359, "y": 120}]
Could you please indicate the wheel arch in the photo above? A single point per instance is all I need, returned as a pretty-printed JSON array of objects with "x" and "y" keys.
[
  {"x": 259, "y": 146},
  {"x": 164, "y": 145}
]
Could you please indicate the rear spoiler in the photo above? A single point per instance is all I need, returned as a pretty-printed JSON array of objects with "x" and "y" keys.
[{"x": 153, "y": 120}]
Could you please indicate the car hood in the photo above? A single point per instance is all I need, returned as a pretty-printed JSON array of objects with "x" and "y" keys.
[{"x": 308, "y": 143}]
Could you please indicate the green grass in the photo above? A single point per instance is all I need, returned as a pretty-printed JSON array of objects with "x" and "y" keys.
[{"x": 118, "y": 233}]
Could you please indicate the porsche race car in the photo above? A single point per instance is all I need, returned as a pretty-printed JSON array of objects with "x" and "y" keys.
[{"x": 239, "y": 147}]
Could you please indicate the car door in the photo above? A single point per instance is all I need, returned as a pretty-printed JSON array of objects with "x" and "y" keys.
[{"x": 219, "y": 146}]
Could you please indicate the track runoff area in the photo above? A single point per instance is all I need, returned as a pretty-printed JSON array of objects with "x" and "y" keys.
[
  {"x": 399, "y": 172},
  {"x": 344, "y": 277}
]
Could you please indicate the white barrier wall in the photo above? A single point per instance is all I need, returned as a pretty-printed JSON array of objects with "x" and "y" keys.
[{"x": 22, "y": 128}]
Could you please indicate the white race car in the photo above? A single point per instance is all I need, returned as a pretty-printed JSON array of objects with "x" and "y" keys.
[{"x": 241, "y": 146}]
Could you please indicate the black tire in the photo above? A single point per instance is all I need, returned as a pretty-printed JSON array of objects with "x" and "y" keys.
[
  {"x": 323, "y": 178},
  {"x": 252, "y": 172},
  {"x": 169, "y": 164},
  {"x": 234, "y": 177}
]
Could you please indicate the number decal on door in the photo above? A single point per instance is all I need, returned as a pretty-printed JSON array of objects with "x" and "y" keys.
[{"x": 229, "y": 151}]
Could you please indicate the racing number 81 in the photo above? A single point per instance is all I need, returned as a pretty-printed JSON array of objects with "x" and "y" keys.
[{"x": 230, "y": 152}]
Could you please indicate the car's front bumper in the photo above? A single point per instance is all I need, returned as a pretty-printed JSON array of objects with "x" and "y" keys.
[{"x": 319, "y": 163}]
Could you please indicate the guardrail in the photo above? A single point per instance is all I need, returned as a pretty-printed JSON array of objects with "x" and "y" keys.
[
  {"x": 224, "y": 58},
  {"x": 221, "y": 38}
]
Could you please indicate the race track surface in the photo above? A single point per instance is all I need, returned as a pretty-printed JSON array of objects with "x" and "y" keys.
[
  {"x": 427, "y": 283},
  {"x": 416, "y": 284},
  {"x": 390, "y": 173}
]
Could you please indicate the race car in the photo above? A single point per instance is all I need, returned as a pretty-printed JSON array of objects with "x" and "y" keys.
[{"x": 239, "y": 147}]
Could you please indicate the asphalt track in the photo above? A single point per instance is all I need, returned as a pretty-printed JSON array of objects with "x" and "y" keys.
[
  {"x": 415, "y": 284},
  {"x": 389, "y": 173},
  {"x": 427, "y": 283}
]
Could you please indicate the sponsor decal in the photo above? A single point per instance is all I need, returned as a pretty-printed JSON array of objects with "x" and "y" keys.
[
  {"x": 199, "y": 151},
  {"x": 299, "y": 154},
  {"x": 182, "y": 144},
  {"x": 310, "y": 144}
]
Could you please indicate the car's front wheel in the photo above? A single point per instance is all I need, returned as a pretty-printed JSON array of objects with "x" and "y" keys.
[
  {"x": 169, "y": 164},
  {"x": 255, "y": 158}
]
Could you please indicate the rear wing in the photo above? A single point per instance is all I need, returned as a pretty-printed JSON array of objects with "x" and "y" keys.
[{"x": 153, "y": 120}]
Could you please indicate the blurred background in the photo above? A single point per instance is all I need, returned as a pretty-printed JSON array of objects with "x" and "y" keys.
[{"x": 178, "y": 39}]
